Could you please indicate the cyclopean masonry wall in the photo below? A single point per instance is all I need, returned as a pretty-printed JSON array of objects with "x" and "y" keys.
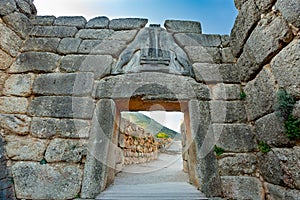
[{"x": 64, "y": 82}]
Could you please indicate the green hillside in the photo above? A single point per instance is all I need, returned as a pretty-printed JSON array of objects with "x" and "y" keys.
[{"x": 150, "y": 125}]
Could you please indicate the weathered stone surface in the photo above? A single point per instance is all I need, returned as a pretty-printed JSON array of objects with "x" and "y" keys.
[
  {"x": 179, "y": 26},
  {"x": 62, "y": 107},
  {"x": 216, "y": 73},
  {"x": 19, "y": 23},
  {"x": 7, "y": 7},
  {"x": 106, "y": 47},
  {"x": 290, "y": 11},
  {"x": 127, "y": 23},
  {"x": 296, "y": 110},
  {"x": 10, "y": 42},
  {"x": 246, "y": 20},
  {"x": 270, "y": 130},
  {"x": 94, "y": 34},
  {"x": 19, "y": 85},
  {"x": 69, "y": 45},
  {"x": 78, "y": 22},
  {"x": 98, "y": 22},
  {"x": 43, "y": 20},
  {"x": 242, "y": 188},
  {"x": 225, "y": 41},
  {"x": 202, "y": 54},
  {"x": 238, "y": 164},
  {"x": 35, "y": 181},
  {"x": 26, "y": 7},
  {"x": 17, "y": 124},
  {"x": 6, "y": 60},
  {"x": 41, "y": 44},
  {"x": 13, "y": 105},
  {"x": 193, "y": 39},
  {"x": 235, "y": 137},
  {"x": 223, "y": 111},
  {"x": 278, "y": 193},
  {"x": 269, "y": 166},
  {"x": 66, "y": 128},
  {"x": 239, "y": 3},
  {"x": 127, "y": 36},
  {"x": 35, "y": 62},
  {"x": 77, "y": 84},
  {"x": 98, "y": 64},
  {"x": 264, "y": 5},
  {"x": 285, "y": 67},
  {"x": 3, "y": 77},
  {"x": 53, "y": 31},
  {"x": 227, "y": 56},
  {"x": 25, "y": 148},
  {"x": 260, "y": 95},
  {"x": 65, "y": 150},
  {"x": 226, "y": 91}
]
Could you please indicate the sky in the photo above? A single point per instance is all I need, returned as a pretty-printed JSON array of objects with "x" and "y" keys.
[{"x": 216, "y": 16}]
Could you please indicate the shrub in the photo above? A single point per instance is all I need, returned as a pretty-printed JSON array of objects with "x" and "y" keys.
[
  {"x": 292, "y": 127},
  {"x": 219, "y": 151},
  {"x": 285, "y": 104},
  {"x": 263, "y": 147},
  {"x": 162, "y": 135}
]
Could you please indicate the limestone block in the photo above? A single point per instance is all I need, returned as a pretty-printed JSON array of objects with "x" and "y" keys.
[
  {"x": 242, "y": 188},
  {"x": 3, "y": 77},
  {"x": 35, "y": 62},
  {"x": 105, "y": 47},
  {"x": 227, "y": 56},
  {"x": 66, "y": 128},
  {"x": 25, "y": 148},
  {"x": 77, "y": 84},
  {"x": 19, "y": 85},
  {"x": 228, "y": 111},
  {"x": 127, "y": 23},
  {"x": 26, "y": 7},
  {"x": 41, "y": 44},
  {"x": 265, "y": 5},
  {"x": 65, "y": 150},
  {"x": 35, "y": 181},
  {"x": 225, "y": 41},
  {"x": 290, "y": 11},
  {"x": 285, "y": 67},
  {"x": 216, "y": 73},
  {"x": 94, "y": 34},
  {"x": 13, "y": 105},
  {"x": 202, "y": 54},
  {"x": 69, "y": 45},
  {"x": 226, "y": 91},
  {"x": 7, "y": 7},
  {"x": 260, "y": 95},
  {"x": 296, "y": 110},
  {"x": 19, "y": 23},
  {"x": 100, "y": 65},
  {"x": 246, "y": 20},
  {"x": 179, "y": 26},
  {"x": 235, "y": 137},
  {"x": 43, "y": 20},
  {"x": 194, "y": 39},
  {"x": 98, "y": 22},
  {"x": 278, "y": 193},
  {"x": 78, "y": 22},
  {"x": 238, "y": 164},
  {"x": 270, "y": 130},
  {"x": 6, "y": 60},
  {"x": 127, "y": 36},
  {"x": 62, "y": 107},
  {"x": 239, "y": 3},
  {"x": 10, "y": 42},
  {"x": 17, "y": 124},
  {"x": 53, "y": 31}
]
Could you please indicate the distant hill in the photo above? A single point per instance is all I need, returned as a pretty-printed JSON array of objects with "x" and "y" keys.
[{"x": 149, "y": 124}]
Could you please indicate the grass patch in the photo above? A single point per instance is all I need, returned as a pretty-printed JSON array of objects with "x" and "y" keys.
[
  {"x": 264, "y": 147},
  {"x": 218, "y": 150}
]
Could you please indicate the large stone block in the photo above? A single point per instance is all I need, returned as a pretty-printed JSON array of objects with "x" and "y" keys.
[
  {"x": 100, "y": 65},
  {"x": 98, "y": 22},
  {"x": 65, "y": 128},
  {"x": 27, "y": 8},
  {"x": 226, "y": 91},
  {"x": 19, "y": 23},
  {"x": 285, "y": 67},
  {"x": 35, "y": 62},
  {"x": 228, "y": 111},
  {"x": 41, "y": 44},
  {"x": 278, "y": 193},
  {"x": 54, "y": 31},
  {"x": 43, "y": 20},
  {"x": 6, "y": 60},
  {"x": 242, "y": 188},
  {"x": 234, "y": 138},
  {"x": 239, "y": 3},
  {"x": 13, "y": 105},
  {"x": 65, "y": 150},
  {"x": 202, "y": 54},
  {"x": 19, "y": 85},
  {"x": 69, "y": 45},
  {"x": 62, "y": 107},
  {"x": 25, "y": 148},
  {"x": 10, "y": 42},
  {"x": 296, "y": 110},
  {"x": 3, "y": 77},
  {"x": 265, "y": 5},
  {"x": 270, "y": 129},
  {"x": 179, "y": 26},
  {"x": 260, "y": 95},
  {"x": 94, "y": 34},
  {"x": 76, "y": 21},
  {"x": 16, "y": 124},
  {"x": 194, "y": 39},
  {"x": 7, "y": 7},
  {"x": 227, "y": 56},
  {"x": 35, "y": 181},
  {"x": 290, "y": 11},
  {"x": 238, "y": 164},
  {"x": 127, "y": 23},
  {"x": 77, "y": 84},
  {"x": 126, "y": 36}
]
